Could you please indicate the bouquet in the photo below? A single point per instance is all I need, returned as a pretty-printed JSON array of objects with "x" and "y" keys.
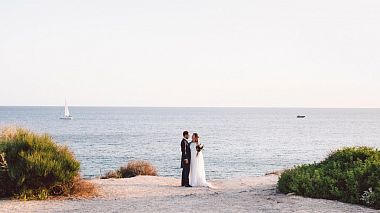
[{"x": 199, "y": 148}]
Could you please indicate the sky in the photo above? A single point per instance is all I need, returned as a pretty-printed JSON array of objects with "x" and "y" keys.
[{"x": 248, "y": 53}]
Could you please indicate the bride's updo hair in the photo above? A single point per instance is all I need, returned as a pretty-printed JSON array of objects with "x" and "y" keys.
[{"x": 196, "y": 135}]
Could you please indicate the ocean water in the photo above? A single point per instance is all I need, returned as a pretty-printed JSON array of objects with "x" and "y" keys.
[{"x": 238, "y": 141}]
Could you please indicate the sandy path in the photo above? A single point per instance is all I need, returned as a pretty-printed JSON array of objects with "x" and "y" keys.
[{"x": 160, "y": 194}]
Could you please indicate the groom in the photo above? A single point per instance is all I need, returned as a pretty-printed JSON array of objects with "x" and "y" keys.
[{"x": 185, "y": 159}]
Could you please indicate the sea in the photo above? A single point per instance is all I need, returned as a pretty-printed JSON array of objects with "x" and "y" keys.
[{"x": 239, "y": 142}]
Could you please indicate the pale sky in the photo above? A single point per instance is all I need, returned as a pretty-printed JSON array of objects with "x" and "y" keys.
[{"x": 266, "y": 53}]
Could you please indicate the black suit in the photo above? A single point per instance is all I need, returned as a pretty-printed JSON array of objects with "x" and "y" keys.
[{"x": 186, "y": 155}]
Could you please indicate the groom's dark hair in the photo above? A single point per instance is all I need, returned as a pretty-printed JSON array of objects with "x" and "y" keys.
[{"x": 185, "y": 133}]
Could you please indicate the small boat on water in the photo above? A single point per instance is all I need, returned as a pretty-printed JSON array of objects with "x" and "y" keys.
[
  {"x": 301, "y": 116},
  {"x": 67, "y": 113}
]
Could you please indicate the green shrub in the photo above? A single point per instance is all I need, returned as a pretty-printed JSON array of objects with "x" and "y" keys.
[
  {"x": 34, "y": 166},
  {"x": 349, "y": 175}
]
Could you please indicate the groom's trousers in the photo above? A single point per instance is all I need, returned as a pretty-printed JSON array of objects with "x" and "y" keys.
[{"x": 185, "y": 175}]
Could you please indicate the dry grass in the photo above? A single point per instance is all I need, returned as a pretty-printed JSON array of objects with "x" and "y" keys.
[
  {"x": 78, "y": 189},
  {"x": 132, "y": 169},
  {"x": 8, "y": 132},
  {"x": 136, "y": 168},
  {"x": 83, "y": 189}
]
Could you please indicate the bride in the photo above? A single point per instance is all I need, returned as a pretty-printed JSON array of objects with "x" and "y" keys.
[{"x": 197, "y": 175}]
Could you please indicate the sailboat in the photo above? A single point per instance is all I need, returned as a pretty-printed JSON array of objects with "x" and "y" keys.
[{"x": 67, "y": 113}]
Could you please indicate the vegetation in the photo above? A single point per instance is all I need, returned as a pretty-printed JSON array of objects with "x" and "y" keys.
[
  {"x": 133, "y": 169},
  {"x": 349, "y": 175},
  {"x": 82, "y": 188},
  {"x": 33, "y": 166},
  {"x": 112, "y": 174}
]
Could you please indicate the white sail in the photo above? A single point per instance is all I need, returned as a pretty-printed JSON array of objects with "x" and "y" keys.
[{"x": 67, "y": 112}]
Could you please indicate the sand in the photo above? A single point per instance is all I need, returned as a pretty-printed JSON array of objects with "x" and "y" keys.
[{"x": 162, "y": 194}]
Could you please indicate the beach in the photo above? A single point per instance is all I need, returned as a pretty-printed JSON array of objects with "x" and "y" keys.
[
  {"x": 163, "y": 194},
  {"x": 109, "y": 106}
]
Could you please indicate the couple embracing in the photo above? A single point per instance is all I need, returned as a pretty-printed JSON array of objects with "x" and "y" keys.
[{"x": 192, "y": 163}]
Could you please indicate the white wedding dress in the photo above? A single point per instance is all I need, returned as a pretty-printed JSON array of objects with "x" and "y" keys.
[{"x": 197, "y": 175}]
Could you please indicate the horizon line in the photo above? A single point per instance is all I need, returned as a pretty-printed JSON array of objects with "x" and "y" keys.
[{"x": 131, "y": 106}]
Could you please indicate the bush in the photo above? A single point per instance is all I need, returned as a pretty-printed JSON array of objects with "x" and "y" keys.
[
  {"x": 133, "y": 169},
  {"x": 349, "y": 175},
  {"x": 111, "y": 174},
  {"x": 82, "y": 188},
  {"x": 136, "y": 168},
  {"x": 33, "y": 166}
]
